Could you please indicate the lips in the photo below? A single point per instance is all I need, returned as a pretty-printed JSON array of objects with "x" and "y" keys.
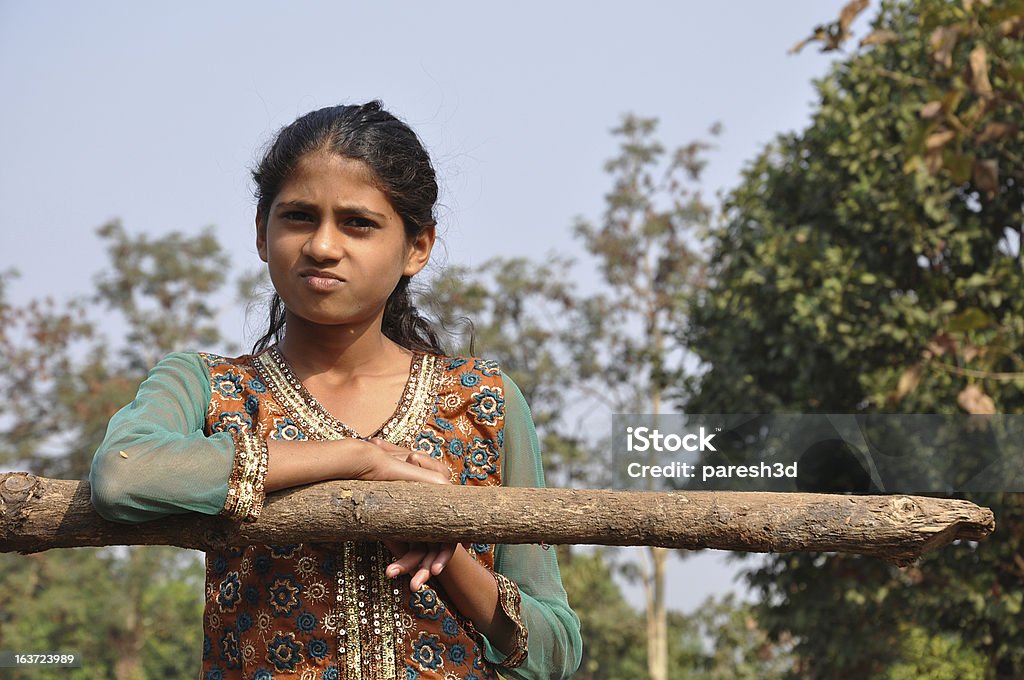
[{"x": 321, "y": 280}]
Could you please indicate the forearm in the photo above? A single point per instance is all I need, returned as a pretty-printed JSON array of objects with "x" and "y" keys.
[
  {"x": 294, "y": 463},
  {"x": 473, "y": 590}
]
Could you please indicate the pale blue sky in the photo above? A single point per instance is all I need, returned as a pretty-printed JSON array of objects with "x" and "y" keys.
[{"x": 153, "y": 113}]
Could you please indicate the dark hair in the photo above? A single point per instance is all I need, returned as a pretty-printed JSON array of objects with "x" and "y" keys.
[{"x": 400, "y": 168}]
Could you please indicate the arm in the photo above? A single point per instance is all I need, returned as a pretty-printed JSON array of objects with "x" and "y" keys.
[
  {"x": 525, "y": 598},
  {"x": 156, "y": 459},
  {"x": 554, "y": 644}
]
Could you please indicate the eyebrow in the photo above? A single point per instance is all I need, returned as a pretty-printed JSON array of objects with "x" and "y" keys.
[{"x": 346, "y": 209}]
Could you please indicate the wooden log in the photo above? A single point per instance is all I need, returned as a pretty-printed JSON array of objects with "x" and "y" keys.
[{"x": 39, "y": 514}]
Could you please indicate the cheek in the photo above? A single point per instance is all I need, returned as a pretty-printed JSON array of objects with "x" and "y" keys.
[{"x": 281, "y": 250}]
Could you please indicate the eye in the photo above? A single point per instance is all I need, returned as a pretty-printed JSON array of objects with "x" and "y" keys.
[
  {"x": 360, "y": 223},
  {"x": 297, "y": 216}
]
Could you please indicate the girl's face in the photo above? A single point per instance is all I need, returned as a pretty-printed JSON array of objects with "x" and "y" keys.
[{"x": 334, "y": 246}]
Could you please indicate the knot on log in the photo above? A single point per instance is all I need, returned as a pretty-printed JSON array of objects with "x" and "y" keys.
[
  {"x": 903, "y": 506},
  {"x": 18, "y": 487}
]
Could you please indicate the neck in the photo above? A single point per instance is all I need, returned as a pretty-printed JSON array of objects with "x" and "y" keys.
[{"x": 312, "y": 349}]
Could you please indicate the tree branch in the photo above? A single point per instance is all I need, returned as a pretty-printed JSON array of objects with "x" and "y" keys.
[{"x": 39, "y": 514}]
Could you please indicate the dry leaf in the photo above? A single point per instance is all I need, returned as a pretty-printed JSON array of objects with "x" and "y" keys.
[
  {"x": 931, "y": 109},
  {"x": 820, "y": 33},
  {"x": 976, "y": 402},
  {"x": 937, "y": 140},
  {"x": 908, "y": 381},
  {"x": 971, "y": 353},
  {"x": 995, "y": 130},
  {"x": 880, "y": 37},
  {"x": 943, "y": 40},
  {"x": 986, "y": 176},
  {"x": 1013, "y": 28},
  {"x": 941, "y": 344},
  {"x": 979, "y": 72},
  {"x": 933, "y": 161},
  {"x": 849, "y": 13}
]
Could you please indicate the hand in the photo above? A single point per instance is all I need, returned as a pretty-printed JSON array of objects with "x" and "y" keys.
[
  {"x": 417, "y": 458},
  {"x": 386, "y": 462},
  {"x": 419, "y": 560}
]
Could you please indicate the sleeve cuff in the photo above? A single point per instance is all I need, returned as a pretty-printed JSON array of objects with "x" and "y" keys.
[
  {"x": 511, "y": 603},
  {"x": 245, "y": 485}
]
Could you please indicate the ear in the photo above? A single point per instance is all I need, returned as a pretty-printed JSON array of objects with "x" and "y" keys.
[
  {"x": 261, "y": 237},
  {"x": 419, "y": 251}
]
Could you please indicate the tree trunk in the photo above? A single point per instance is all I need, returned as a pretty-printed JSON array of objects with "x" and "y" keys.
[
  {"x": 657, "y": 616},
  {"x": 39, "y": 514}
]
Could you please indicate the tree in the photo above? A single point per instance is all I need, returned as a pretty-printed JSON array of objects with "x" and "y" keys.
[
  {"x": 643, "y": 247},
  {"x": 67, "y": 371},
  {"x": 873, "y": 263}
]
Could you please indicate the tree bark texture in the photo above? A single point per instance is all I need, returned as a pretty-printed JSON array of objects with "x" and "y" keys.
[{"x": 38, "y": 514}]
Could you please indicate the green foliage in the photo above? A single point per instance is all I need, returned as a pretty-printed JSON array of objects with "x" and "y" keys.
[
  {"x": 613, "y": 632},
  {"x": 859, "y": 270},
  {"x": 936, "y": 657},
  {"x": 643, "y": 249},
  {"x": 131, "y": 613},
  {"x": 162, "y": 289},
  {"x": 737, "y": 647},
  {"x": 110, "y": 607},
  {"x": 719, "y": 641},
  {"x": 69, "y": 371}
]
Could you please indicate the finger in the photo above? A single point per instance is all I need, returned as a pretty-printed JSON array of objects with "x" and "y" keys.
[
  {"x": 407, "y": 562},
  {"x": 434, "y": 470},
  {"x": 429, "y": 558},
  {"x": 423, "y": 573},
  {"x": 444, "y": 555},
  {"x": 400, "y": 470},
  {"x": 429, "y": 463},
  {"x": 430, "y": 473},
  {"x": 419, "y": 579}
]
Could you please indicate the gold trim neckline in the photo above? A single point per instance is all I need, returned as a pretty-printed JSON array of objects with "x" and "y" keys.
[{"x": 410, "y": 413}]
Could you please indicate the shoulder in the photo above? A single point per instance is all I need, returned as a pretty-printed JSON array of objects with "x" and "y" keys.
[
  {"x": 462, "y": 366},
  {"x": 465, "y": 382},
  {"x": 183, "y": 365},
  {"x": 217, "y": 363}
]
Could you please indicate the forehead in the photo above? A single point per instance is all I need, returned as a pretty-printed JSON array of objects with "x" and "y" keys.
[{"x": 327, "y": 175}]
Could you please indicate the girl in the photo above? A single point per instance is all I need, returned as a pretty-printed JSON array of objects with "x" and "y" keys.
[{"x": 349, "y": 382}]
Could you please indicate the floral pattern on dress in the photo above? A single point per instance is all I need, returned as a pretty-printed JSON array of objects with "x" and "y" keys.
[
  {"x": 480, "y": 462},
  {"x": 284, "y": 596},
  {"x": 488, "y": 405},
  {"x": 284, "y": 652},
  {"x": 297, "y": 610},
  {"x": 427, "y": 652},
  {"x": 426, "y": 604}
]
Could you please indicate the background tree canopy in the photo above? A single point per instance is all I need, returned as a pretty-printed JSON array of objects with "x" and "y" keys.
[{"x": 873, "y": 263}]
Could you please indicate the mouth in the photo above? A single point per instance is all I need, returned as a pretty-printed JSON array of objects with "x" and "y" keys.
[{"x": 321, "y": 280}]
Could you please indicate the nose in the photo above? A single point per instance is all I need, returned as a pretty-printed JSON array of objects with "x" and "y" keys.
[{"x": 325, "y": 243}]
